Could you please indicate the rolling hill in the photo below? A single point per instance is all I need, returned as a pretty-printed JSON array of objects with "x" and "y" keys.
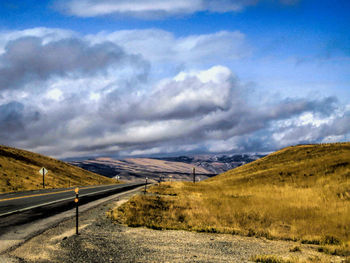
[
  {"x": 171, "y": 168},
  {"x": 138, "y": 168},
  {"x": 298, "y": 193},
  {"x": 19, "y": 171}
]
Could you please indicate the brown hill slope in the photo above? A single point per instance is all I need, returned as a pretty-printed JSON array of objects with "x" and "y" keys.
[
  {"x": 132, "y": 169},
  {"x": 19, "y": 171},
  {"x": 299, "y": 193},
  {"x": 302, "y": 166}
]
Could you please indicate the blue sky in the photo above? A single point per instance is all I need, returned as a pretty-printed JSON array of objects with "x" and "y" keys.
[{"x": 121, "y": 78}]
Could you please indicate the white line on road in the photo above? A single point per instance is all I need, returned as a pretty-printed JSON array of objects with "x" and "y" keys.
[{"x": 53, "y": 202}]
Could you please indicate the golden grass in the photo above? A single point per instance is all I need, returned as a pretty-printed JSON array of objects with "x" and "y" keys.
[
  {"x": 336, "y": 250},
  {"x": 272, "y": 259},
  {"x": 295, "y": 259},
  {"x": 300, "y": 193},
  {"x": 19, "y": 171}
]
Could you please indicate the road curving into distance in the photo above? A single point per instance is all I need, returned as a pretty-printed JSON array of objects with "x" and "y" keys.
[{"x": 24, "y": 207}]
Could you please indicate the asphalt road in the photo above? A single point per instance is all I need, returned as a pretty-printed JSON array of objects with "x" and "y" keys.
[{"x": 24, "y": 207}]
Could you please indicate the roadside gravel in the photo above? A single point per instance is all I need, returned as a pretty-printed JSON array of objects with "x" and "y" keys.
[{"x": 101, "y": 240}]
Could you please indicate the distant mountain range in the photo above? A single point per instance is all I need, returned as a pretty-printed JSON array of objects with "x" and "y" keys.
[
  {"x": 216, "y": 163},
  {"x": 167, "y": 168}
]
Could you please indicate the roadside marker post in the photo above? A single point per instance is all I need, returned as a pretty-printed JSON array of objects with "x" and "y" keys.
[
  {"x": 146, "y": 185},
  {"x": 43, "y": 171},
  {"x": 76, "y": 200},
  {"x": 194, "y": 174}
]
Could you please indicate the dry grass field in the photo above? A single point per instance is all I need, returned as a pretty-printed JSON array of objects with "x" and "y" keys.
[
  {"x": 19, "y": 171},
  {"x": 299, "y": 193}
]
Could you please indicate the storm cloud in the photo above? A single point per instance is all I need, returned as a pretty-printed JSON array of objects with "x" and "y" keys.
[
  {"x": 71, "y": 95},
  {"x": 27, "y": 60}
]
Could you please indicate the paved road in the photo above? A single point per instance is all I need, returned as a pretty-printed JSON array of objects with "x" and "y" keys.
[{"x": 24, "y": 207}]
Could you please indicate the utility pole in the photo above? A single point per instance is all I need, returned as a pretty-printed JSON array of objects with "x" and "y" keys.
[
  {"x": 194, "y": 174},
  {"x": 146, "y": 186}
]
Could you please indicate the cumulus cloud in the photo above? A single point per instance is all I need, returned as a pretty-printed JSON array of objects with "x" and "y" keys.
[
  {"x": 69, "y": 95},
  {"x": 27, "y": 59},
  {"x": 334, "y": 127},
  {"x": 187, "y": 95},
  {"x": 153, "y": 9},
  {"x": 45, "y": 34}
]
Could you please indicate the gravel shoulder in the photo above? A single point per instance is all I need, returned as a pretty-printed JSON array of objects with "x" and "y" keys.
[{"x": 101, "y": 240}]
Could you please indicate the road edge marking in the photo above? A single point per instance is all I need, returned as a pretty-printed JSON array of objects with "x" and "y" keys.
[
  {"x": 50, "y": 193},
  {"x": 53, "y": 202}
]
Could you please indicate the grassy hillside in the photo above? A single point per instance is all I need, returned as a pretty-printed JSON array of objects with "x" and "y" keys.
[
  {"x": 19, "y": 171},
  {"x": 298, "y": 193}
]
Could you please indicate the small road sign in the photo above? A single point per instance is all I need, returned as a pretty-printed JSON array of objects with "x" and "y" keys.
[{"x": 43, "y": 171}]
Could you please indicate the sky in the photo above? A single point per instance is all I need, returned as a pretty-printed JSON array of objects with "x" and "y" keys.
[{"x": 84, "y": 78}]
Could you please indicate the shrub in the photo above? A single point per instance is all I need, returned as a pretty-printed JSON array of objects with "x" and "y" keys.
[
  {"x": 270, "y": 259},
  {"x": 295, "y": 249}
]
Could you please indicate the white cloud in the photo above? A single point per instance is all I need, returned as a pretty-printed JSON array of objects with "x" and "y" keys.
[
  {"x": 54, "y": 94},
  {"x": 216, "y": 74},
  {"x": 159, "y": 46},
  {"x": 148, "y": 8},
  {"x": 46, "y": 34},
  {"x": 333, "y": 139},
  {"x": 154, "y": 9},
  {"x": 207, "y": 86}
]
